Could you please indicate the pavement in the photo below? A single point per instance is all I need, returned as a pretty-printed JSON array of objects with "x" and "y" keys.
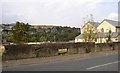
[{"x": 98, "y": 61}]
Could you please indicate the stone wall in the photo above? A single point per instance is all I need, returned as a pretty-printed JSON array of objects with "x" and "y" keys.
[
  {"x": 14, "y": 52},
  {"x": 116, "y": 45},
  {"x": 103, "y": 46},
  {"x": 51, "y": 49}
]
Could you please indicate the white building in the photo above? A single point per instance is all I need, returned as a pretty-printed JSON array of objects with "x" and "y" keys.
[{"x": 102, "y": 31}]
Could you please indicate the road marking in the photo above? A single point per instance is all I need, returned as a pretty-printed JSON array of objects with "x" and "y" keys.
[{"x": 102, "y": 65}]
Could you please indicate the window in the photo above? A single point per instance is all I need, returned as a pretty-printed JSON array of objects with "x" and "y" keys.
[
  {"x": 102, "y": 30},
  {"x": 107, "y": 30}
]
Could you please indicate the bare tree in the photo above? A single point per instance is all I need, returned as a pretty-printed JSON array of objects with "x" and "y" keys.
[{"x": 89, "y": 33}]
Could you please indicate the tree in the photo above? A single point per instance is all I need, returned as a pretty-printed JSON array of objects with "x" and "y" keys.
[
  {"x": 21, "y": 32},
  {"x": 58, "y": 34},
  {"x": 108, "y": 40},
  {"x": 89, "y": 33}
]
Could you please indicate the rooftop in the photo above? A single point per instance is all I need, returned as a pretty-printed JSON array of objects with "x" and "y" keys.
[
  {"x": 102, "y": 35},
  {"x": 114, "y": 23},
  {"x": 96, "y": 24}
]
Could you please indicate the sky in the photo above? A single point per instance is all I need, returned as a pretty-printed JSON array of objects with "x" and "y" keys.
[{"x": 71, "y": 13}]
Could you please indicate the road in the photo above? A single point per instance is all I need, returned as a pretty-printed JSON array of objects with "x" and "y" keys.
[{"x": 101, "y": 63}]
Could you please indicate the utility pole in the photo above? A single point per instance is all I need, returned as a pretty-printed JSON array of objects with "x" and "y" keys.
[{"x": 0, "y": 34}]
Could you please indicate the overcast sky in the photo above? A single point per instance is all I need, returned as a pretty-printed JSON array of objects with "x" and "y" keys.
[{"x": 57, "y": 12}]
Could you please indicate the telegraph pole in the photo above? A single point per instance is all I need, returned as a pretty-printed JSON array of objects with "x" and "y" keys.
[{"x": 0, "y": 34}]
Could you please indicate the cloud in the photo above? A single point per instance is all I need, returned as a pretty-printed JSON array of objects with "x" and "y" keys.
[
  {"x": 113, "y": 16},
  {"x": 0, "y": 13},
  {"x": 59, "y": 12}
]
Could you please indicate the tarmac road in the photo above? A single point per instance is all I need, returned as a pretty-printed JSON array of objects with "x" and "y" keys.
[{"x": 101, "y": 63}]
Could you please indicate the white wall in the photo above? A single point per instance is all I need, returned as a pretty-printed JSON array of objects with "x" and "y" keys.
[{"x": 106, "y": 26}]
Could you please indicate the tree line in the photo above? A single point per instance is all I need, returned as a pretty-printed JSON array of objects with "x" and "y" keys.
[{"x": 23, "y": 33}]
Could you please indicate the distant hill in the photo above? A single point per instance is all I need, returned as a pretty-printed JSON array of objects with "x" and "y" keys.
[{"x": 45, "y": 26}]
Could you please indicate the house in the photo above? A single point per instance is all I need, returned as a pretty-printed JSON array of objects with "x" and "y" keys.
[
  {"x": 106, "y": 26},
  {"x": 7, "y": 28},
  {"x": 102, "y": 31},
  {"x": 89, "y": 26}
]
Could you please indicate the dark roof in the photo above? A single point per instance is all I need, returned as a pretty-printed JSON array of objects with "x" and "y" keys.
[
  {"x": 96, "y": 24},
  {"x": 12, "y": 24},
  {"x": 79, "y": 36},
  {"x": 102, "y": 35},
  {"x": 114, "y": 23},
  {"x": 115, "y": 34}
]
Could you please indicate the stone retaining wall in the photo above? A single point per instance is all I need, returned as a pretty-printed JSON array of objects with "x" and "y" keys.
[{"x": 51, "y": 49}]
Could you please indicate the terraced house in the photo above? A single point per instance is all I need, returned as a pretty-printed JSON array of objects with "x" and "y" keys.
[{"x": 101, "y": 31}]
